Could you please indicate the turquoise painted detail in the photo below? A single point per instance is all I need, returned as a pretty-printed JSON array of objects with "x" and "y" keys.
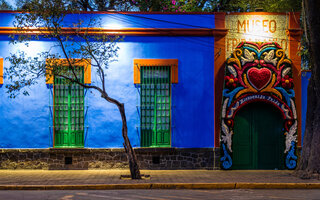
[
  {"x": 260, "y": 52},
  {"x": 291, "y": 159},
  {"x": 226, "y": 159},
  {"x": 231, "y": 94},
  {"x": 286, "y": 95}
]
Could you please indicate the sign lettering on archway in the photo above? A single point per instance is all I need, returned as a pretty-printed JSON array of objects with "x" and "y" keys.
[{"x": 256, "y": 28}]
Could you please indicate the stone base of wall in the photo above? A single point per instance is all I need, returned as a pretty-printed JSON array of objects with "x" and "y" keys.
[{"x": 149, "y": 158}]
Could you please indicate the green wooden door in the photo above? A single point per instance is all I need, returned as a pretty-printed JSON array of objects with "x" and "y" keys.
[
  {"x": 244, "y": 148},
  {"x": 155, "y": 104},
  {"x": 258, "y": 140},
  {"x": 68, "y": 113}
]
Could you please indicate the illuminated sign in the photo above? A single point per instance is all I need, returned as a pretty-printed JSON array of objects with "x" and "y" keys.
[{"x": 256, "y": 28}]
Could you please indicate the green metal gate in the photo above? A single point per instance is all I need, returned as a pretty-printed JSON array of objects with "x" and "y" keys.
[
  {"x": 155, "y": 102},
  {"x": 69, "y": 112}
]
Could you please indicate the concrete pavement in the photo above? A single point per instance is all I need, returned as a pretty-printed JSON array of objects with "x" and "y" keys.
[
  {"x": 247, "y": 194},
  {"x": 159, "y": 179}
]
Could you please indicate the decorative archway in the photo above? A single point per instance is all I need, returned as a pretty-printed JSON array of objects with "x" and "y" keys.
[{"x": 258, "y": 72}]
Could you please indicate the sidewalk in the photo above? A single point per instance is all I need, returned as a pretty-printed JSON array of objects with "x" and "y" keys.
[{"x": 159, "y": 179}]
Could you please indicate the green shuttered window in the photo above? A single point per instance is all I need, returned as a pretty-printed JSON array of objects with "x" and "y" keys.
[
  {"x": 155, "y": 102},
  {"x": 69, "y": 112}
]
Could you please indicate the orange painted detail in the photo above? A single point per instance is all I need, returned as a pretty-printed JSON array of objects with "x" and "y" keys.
[
  {"x": 122, "y": 31},
  {"x": 51, "y": 63},
  {"x": 219, "y": 63},
  {"x": 219, "y": 20},
  {"x": 137, "y": 63},
  {"x": 1, "y": 71},
  {"x": 294, "y": 20},
  {"x": 294, "y": 32}
]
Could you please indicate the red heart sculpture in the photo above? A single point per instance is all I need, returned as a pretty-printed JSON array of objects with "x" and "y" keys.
[{"x": 259, "y": 78}]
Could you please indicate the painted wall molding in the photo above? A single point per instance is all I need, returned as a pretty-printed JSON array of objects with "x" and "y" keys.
[
  {"x": 51, "y": 63},
  {"x": 121, "y": 31},
  {"x": 173, "y": 63},
  {"x": 1, "y": 72}
]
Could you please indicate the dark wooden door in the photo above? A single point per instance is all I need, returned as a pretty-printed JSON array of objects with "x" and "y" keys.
[{"x": 258, "y": 140}]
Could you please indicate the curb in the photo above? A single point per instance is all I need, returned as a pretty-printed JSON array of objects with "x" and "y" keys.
[{"x": 166, "y": 186}]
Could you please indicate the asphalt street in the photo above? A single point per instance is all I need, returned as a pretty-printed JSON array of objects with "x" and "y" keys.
[{"x": 161, "y": 194}]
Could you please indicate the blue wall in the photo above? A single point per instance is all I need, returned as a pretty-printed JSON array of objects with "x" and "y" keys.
[
  {"x": 192, "y": 97},
  {"x": 305, "y": 76},
  {"x": 25, "y": 121}
]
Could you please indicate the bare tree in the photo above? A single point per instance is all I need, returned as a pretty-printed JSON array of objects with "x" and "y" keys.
[{"x": 44, "y": 19}]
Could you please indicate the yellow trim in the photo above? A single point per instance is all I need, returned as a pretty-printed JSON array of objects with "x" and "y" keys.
[
  {"x": 236, "y": 54},
  {"x": 1, "y": 71},
  {"x": 270, "y": 89},
  {"x": 86, "y": 63},
  {"x": 173, "y": 63},
  {"x": 246, "y": 90}
]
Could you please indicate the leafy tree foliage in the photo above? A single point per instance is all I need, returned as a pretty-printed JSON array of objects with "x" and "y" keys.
[
  {"x": 265, "y": 5},
  {"x": 182, "y": 5},
  {"x": 102, "y": 5},
  {"x": 91, "y": 5},
  {"x": 4, "y": 5}
]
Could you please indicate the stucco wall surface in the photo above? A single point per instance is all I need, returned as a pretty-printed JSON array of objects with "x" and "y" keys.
[
  {"x": 25, "y": 121},
  {"x": 305, "y": 76}
]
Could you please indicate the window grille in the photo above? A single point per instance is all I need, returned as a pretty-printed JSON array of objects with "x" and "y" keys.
[
  {"x": 155, "y": 104},
  {"x": 69, "y": 111}
]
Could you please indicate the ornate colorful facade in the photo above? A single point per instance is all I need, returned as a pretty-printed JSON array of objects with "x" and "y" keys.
[
  {"x": 201, "y": 91},
  {"x": 259, "y": 72}
]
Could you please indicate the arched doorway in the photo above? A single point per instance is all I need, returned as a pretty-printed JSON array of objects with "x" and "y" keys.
[
  {"x": 258, "y": 139},
  {"x": 258, "y": 117}
]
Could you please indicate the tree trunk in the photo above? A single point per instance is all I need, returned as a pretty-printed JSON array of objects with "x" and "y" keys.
[
  {"x": 132, "y": 158},
  {"x": 309, "y": 165}
]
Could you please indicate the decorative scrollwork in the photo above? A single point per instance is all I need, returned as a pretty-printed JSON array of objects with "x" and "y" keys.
[
  {"x": 291, "y": 159},
  {"x": 291, "y": 136},
  {"x": 235, "y": 59},
  {"x": 226, "y": 159}
]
